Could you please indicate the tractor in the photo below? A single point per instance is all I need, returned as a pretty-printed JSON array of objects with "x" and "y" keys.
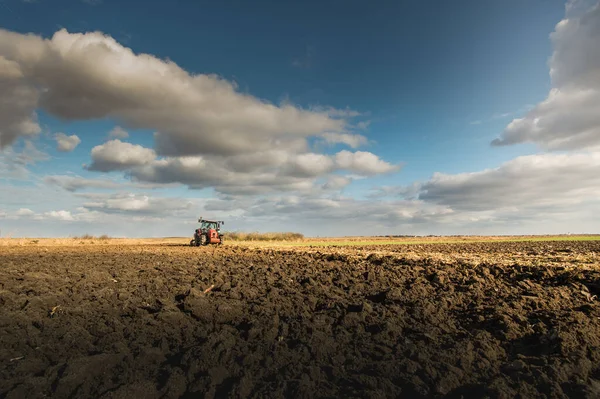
[{"x": 208, "y": 233}]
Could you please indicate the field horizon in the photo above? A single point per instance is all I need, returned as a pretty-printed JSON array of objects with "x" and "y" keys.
[{"x": 305, "y": 241}]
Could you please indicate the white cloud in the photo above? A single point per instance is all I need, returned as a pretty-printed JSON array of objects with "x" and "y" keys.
[
  {"x": 90, "y": 76},
  {"x": 59, "y": 215},
  {"x": 202, "y": 172},
  {"x": 24, "y": 212},
  {"x": 130, "y": 203},
  {"x": 14, "y": 163},
  {"x": 207, "y": 134},
  {"x": 548, "y": 193},
  {"x": 118, "y": 133},
  {"x": 569, "y": 118},
  {"x": 345, "y": 215},
  {"x": 410, "y": 192},
  {"x": 309, "y": 165},
  {"x": 117, "y": 155},
  {"x": 549, "y": 181},
  {"x": 527, "y": 195},
  {"x": 18, "y": 99},
  {"x": 74, "y": 183},
  {"x": 351, "y": 140},
  {"x": 249, "y": 174},
  {"x": 66, "y": 143},
  {"x": 362, "y": 162},
  {"x": 336, "y": 182},
  {"x": 557, "y": 191}
]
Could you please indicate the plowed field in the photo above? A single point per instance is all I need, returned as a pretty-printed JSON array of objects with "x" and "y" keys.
[{"x": 472, "y": 320}]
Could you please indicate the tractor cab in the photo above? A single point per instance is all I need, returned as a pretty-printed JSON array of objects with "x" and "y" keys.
[
  {"x": 209, "y": 232},
  {"x": 206, "y": 225}
]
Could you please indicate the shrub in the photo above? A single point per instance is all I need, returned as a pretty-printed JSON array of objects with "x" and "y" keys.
[
  {"x": 91, "y": 237},
  {"x": 85, "y": 237}
]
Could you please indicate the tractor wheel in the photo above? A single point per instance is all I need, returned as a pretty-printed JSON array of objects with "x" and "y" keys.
[
  {"x": 192, "y": 243},
  {"x": 203, "y": 239}
]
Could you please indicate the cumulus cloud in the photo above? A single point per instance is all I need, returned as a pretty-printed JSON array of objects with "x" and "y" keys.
[
  {"x": 14, "y": 162},
  {"x": 59, "y": 215},
  {"x": 544, "y": 188},
  {"x": 18, "y": 100},
  {"x": 530, "y": 194},
  {"x": 90, "y": 76},
  {"x": 29, "y": 155},
  {"x": 363, "y": 162},
  {"x": 118, "y": 133},
  {"x": 309, "y": 165},
  {"x": 274, "y": 172},
  {"x": 140, "y": 204},
  {"x": 351, "y": 140},
  {"x": 206, "y": 132},
  {"x": 118, "y": 155},
  {"x": 336, "y": 210},
  {"x": 24, "y": 212},
  {"x": 66, "y": 143},
  {"x": 336, "y": 182},
  {"x": 546, "y": 180},
  {"x": 204, "y": 172},
  {"x": 249, "y": 174},
  {"x": 406, "y": 192},
  {"x": 569, "y": 118},
  {"x": 74, "y": 183}
]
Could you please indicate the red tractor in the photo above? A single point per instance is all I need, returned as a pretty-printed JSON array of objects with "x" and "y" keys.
[{"x": 208, "y": 233}]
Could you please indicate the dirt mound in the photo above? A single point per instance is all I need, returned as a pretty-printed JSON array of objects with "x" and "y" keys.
[{"x": 158, "y": 321}]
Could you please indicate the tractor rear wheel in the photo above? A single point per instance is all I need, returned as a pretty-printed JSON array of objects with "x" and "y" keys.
[{"x": 203, "y": 239}]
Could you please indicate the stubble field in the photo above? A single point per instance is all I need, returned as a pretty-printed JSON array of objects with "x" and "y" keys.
[{"x": 153, "y": 319}]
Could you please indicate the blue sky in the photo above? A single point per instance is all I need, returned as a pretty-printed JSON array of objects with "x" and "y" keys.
[{"x": 422, "y": 88}]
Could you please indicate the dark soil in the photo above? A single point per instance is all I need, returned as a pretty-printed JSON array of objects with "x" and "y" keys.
[{"x": 114, "y": 321}]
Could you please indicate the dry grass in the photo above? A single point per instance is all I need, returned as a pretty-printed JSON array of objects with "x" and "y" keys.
[
  {"x": 240, "y": 236},
  {"x": 85, "y": 239},
  {"x": 91, "y": 237},
  {"x": 282, "y": 240}
]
